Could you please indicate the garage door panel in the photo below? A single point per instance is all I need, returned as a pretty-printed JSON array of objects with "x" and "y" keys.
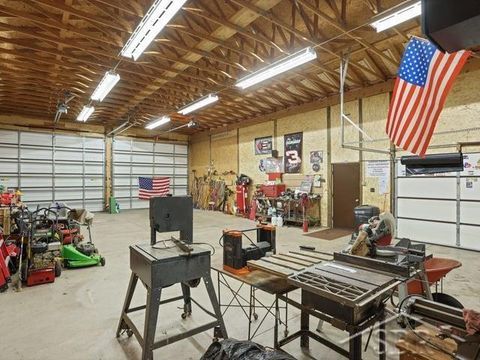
[
  {"x": 8, "y": 152},
  {"x": 121, "y": 180},
  {"x": 181, "y": 181},
  {"x": 63, "y": 181},
  {"x": 182, "y": 171},
  {"x": 181, "y": 160},
  {"x": 8, "y": 137},
  {"x": 94, "y": 205},
  {"x": 94, "y": 194},
  {"x": 74, "y": 142},
  {"x": 8, "y": 181},
  {"x": 469, "y": 193},
  {"x": 68, "y": 194},
  {"x": 120, "y": 169},
  {"x": 140, "y": 204},
  {"x": 93, "y": 156},
  {"x": 181, "y": 149},
  {"x": 38, "y": 194},
  {"x": 180, "y": 191},
  {"x": 142, "y": 170},
  {"x": 122, "y": 192},
  {"x": 124, "y": 145},
  {"x": 427, "y": 209},
  {"x": 36, "y": 153},
  {"x": 37, "y": 139},
  {"x": 469, "y": 236},
  {"x": 8, "y": 167},
  {"x": 93, "y": 181},
  {"x": 165, "y": 171},
  {"x": 430, "y": 232},
  {"x": 94, "y": 143},
  {"x": 66, "y": 155},
  {"x": 37, "y": 181},
  {"x": 163, "y": 159},
  {"x": 93, "y": 169},
  {"x": 142, "y": 146},
  {"x": 470, "y": 213},
  {"x": 142, "y": 158},
  {"x": 422, "y": 187},
  {"x": 66, "y": 168},
  {"x": 122, "y": 158},
  {"x": 35, "y": 168},
  {"x": 164, "y": 148}
]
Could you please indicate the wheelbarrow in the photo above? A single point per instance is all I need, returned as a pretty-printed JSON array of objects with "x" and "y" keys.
[{"x": 436, "y": 269}]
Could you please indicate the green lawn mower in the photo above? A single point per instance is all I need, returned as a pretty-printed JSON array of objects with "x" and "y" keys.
[{"x": 76, "y": 252}]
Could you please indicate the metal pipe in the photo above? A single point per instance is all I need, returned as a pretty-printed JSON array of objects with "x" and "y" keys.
[
  {"x": 118, "y": 128},
  {"x": 124, "y": 129}
]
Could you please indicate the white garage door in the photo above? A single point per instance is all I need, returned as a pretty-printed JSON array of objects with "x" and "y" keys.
[
  {"x": 443, "y": 209},
  {"x": 49, "y": 168},
  {"x": 132, "y": 158}
]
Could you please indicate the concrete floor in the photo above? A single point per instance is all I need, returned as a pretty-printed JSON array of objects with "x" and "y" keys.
[{"x": 76, "y": 317}]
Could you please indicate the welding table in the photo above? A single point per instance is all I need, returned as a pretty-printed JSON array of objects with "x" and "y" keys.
[{"x": 256, "y": 280}]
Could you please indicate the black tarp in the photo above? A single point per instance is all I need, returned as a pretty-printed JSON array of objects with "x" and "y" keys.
[{"x": 231, "y": 349}]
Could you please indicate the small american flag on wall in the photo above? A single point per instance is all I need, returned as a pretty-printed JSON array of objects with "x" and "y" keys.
[
  {"x": 424, "y": 79},
  {"x": 149, "y": 187}
]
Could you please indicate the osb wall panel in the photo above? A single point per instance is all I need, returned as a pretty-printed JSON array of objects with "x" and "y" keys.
[
  {"x": 199, "y": 156},
  {"x": 313, "y": 124},
  {"x": 224, "y": 152},
  {"x": 248, "y": 160},
  {"x": 340, "y": 154},
  {"x": 374, "y": 115}
]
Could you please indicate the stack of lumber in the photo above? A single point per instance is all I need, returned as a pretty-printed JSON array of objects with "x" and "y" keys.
[{"x": 285, "y": 264}]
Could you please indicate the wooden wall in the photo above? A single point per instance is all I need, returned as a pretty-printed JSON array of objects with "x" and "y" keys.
[{"x": 322, "y": 131}]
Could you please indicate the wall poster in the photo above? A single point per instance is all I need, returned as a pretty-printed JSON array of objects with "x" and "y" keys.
[
  {"x": 293, "y": 153},
  {"x": 263, "y": 145}
]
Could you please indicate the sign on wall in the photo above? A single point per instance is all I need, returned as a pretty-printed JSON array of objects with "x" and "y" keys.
[
  {"x": 293, "y": 153},
  {"x": 263, "y": 145},
  {"x": 316, "y": 159}
]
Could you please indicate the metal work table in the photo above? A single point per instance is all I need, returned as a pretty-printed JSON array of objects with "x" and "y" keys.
[{"x": 256, "y": 280}]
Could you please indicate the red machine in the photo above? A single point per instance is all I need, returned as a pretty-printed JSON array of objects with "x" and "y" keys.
[
  {"x": 243, "y": 181},
  {"x": 8, "y": 252}
]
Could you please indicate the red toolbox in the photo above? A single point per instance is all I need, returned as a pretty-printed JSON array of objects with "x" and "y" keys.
[{"x": 273, "y": 190}]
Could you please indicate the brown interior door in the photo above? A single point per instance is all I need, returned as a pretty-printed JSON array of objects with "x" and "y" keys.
[{"x": 346, "y": 194}]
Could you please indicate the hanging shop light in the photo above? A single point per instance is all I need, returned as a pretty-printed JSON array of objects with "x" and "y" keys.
[
  {"x": 207, "y": 100},
  {"x": 278, "y": 67},
  {"x": 159, "y": 14},
  {"x": 85, "y": 113},
  {"x": 110, "y": 79},
  {"x": 397, "y": 17},
  {"x": 156, "y": 123}
]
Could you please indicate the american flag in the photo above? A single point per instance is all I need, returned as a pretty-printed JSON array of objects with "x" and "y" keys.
[
  {"x": 149, "y": 187},
  {"x": 425, "y": 77}
]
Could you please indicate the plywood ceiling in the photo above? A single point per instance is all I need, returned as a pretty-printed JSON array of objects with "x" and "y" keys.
[{"x": 48, "y": 47}]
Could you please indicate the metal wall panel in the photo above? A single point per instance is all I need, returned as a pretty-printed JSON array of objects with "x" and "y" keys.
[
  {"x": 49, "y": 167},
  {"x": 132, "y": 158}
]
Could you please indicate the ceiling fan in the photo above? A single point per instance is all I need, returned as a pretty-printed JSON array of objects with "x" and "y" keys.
[{"x": 62, "y": 104}]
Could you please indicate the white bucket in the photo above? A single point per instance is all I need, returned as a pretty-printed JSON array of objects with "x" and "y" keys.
[
  {"x": 279, "y": 221},
  {"x": 274, "y": 220}
]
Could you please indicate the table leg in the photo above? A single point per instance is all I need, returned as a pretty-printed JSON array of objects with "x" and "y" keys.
[
  {"x": 250, "y": 313},
  {"x": 355, "y": 346},
  {"x": 275, "y": 329},
  {"x": 151, "y": 317},
  {"x": 382, "y": 346},
  {"x": 304, "y": 326}
]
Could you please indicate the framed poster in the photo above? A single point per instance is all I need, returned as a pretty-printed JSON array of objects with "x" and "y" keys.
[
  {"x": 263, "y": 145},
  {"x": 293, "y": 153}
]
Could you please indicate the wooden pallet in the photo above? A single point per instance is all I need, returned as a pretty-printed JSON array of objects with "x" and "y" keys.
[
  {"x": 5, "y": 220},
  {"x": 285, "y": 264}
]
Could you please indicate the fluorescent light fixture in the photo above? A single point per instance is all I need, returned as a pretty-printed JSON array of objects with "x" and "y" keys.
[
  {"x": 397, "y": 17},
  {"x": 159, "y": 14},
  {"x": 156, "y": 123},
  {"x": 85, "y": 113},
  {"x": 206, "y": 100},
  {"x": 278, "y": 67},
  {"x": 109, "y": 80}
]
